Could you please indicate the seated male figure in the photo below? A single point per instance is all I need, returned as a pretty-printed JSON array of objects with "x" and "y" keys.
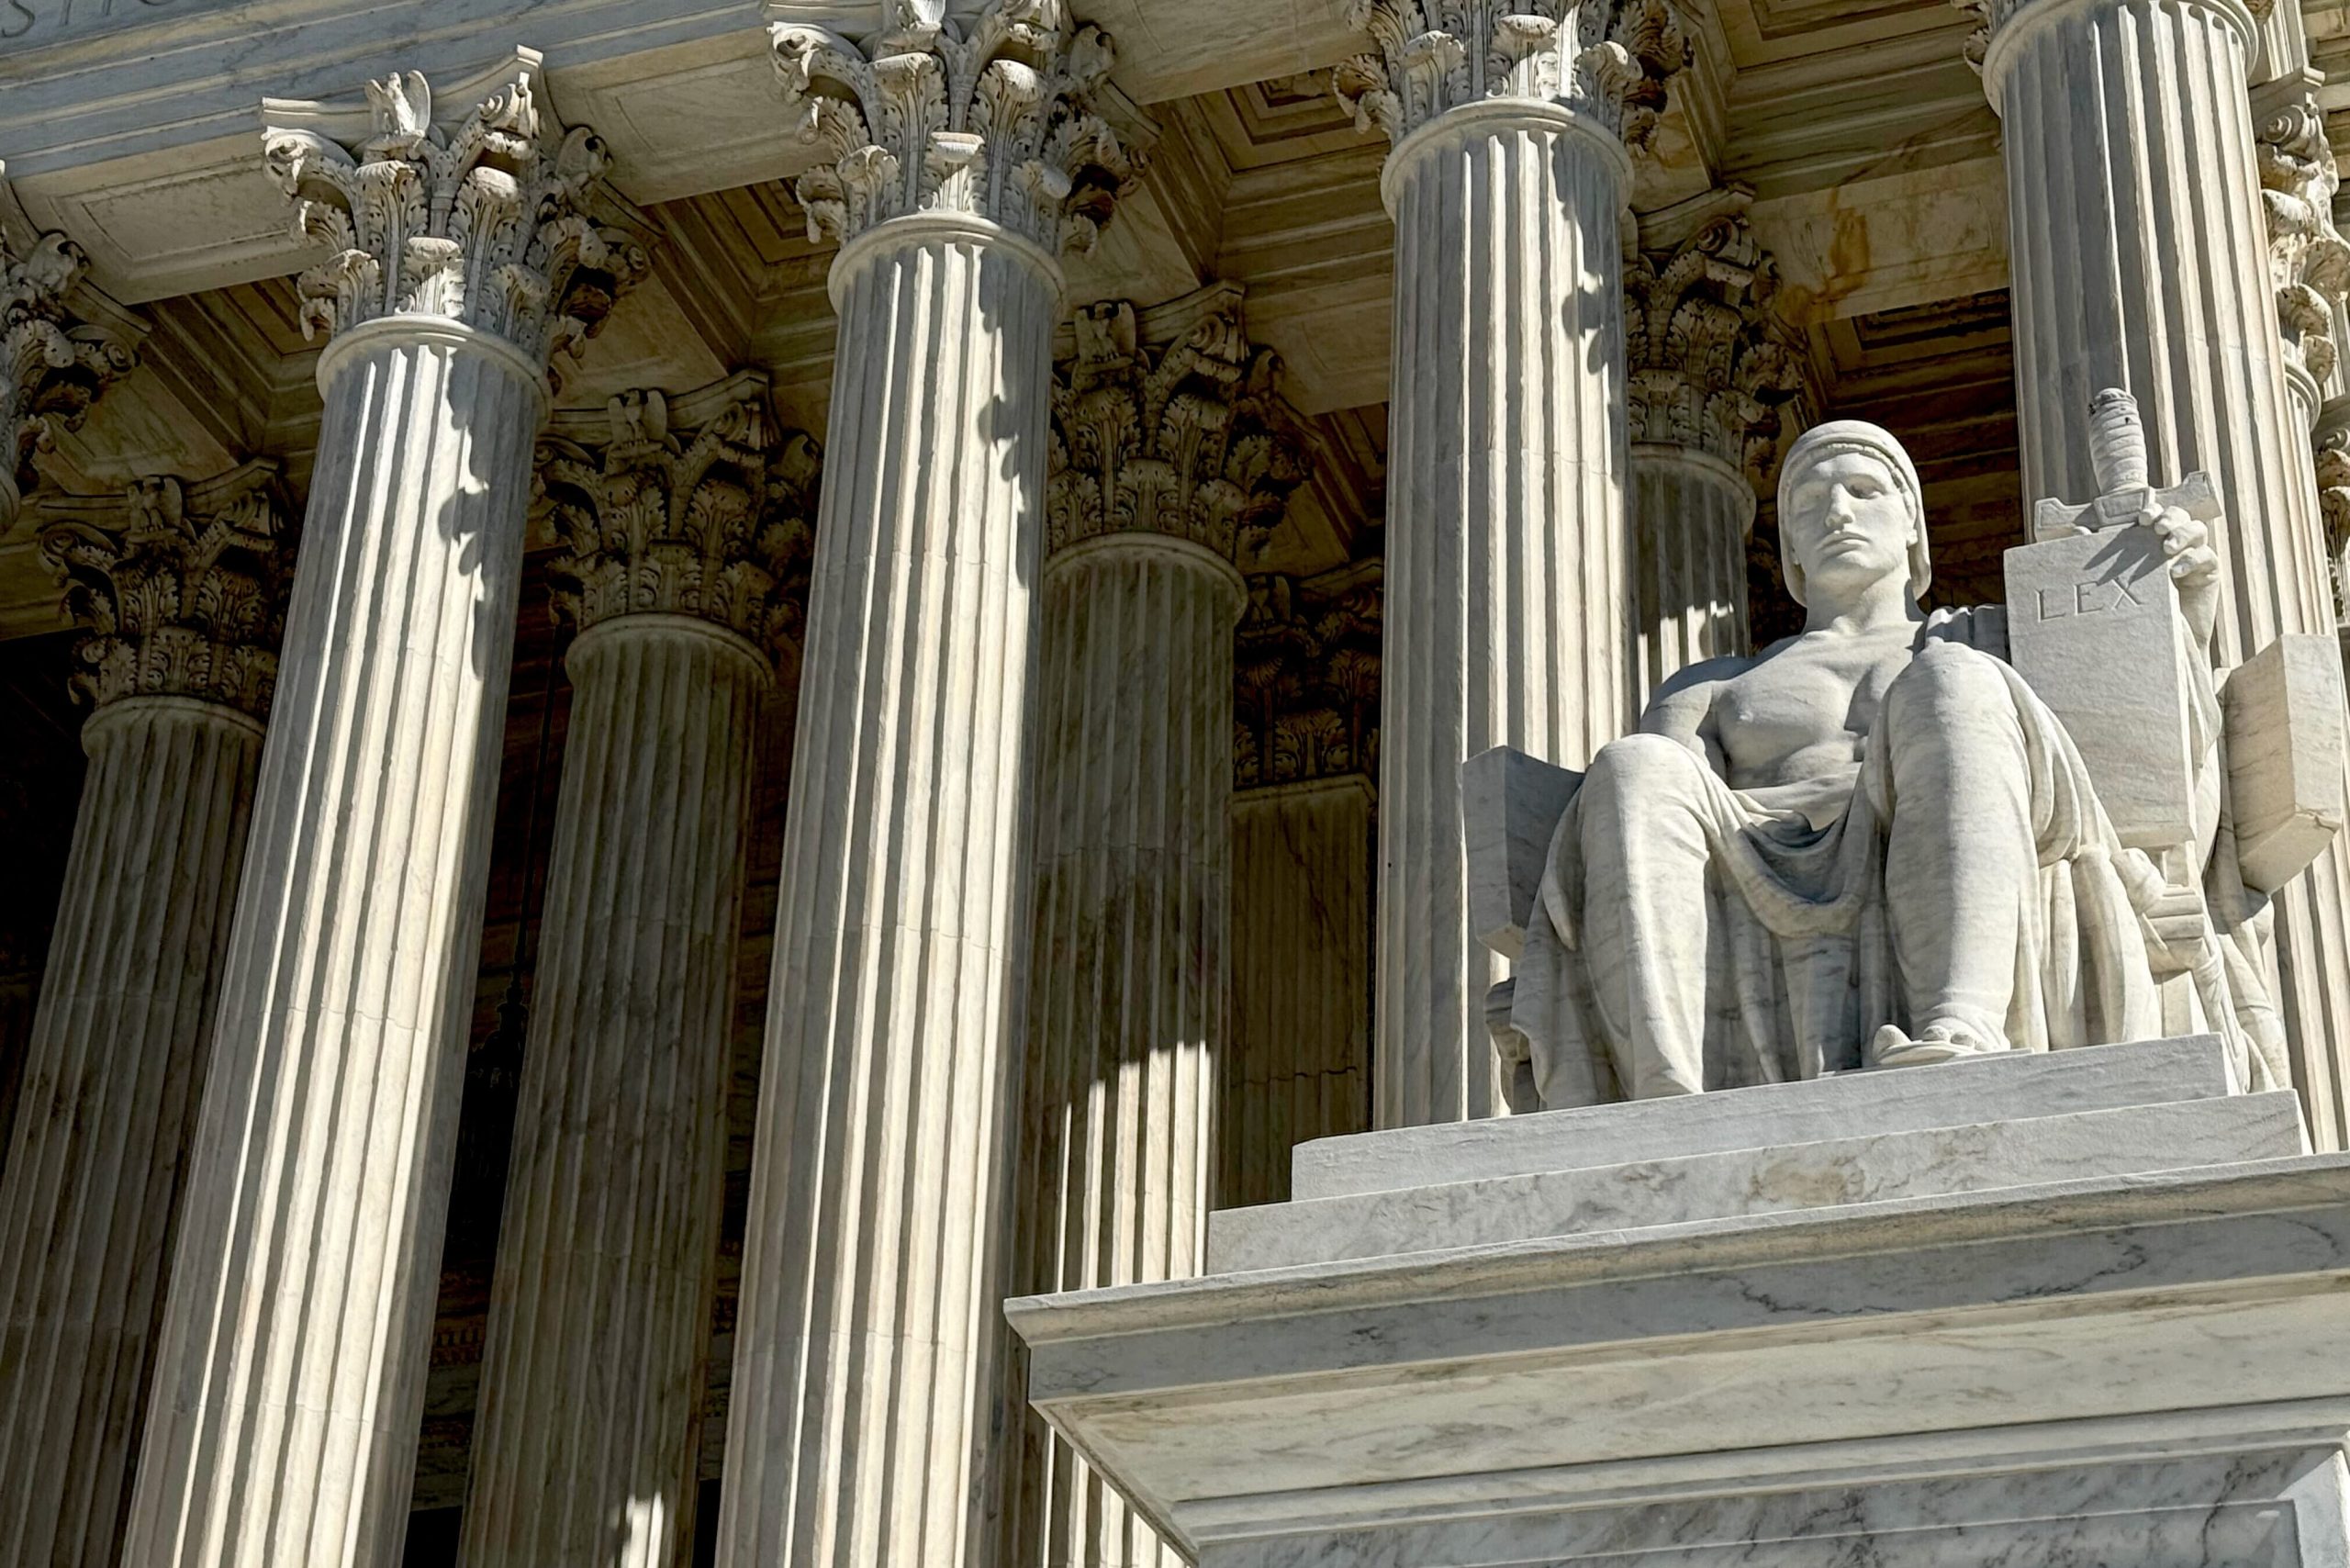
[{"x": 1870, "y": 844}]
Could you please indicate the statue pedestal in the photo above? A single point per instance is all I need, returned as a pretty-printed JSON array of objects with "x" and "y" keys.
[{"x": 2040, "y": 1311}]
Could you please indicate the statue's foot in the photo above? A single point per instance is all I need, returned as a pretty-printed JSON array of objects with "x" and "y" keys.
[{"x": 1940, "y": 1040}]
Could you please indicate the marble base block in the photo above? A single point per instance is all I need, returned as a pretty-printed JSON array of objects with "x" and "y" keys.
[
  {"x": 2041, "y": 1310},
  {"x": 1772, "y": 1116}
]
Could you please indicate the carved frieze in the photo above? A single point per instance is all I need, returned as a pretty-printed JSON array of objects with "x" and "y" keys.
[
  {"x": 1610, "y": 59},
  {"x": 497, "y": 223},
  {"x": 1190, "y": 440},
  {"x": 1710, "y": 362},
  {"x": 703, "y": 507},
  {"x": 992, "y": 118},
  {"x": 2308, "y": 261},
  {"x": 182, "y": 586},
  {"x": 1306, "y": 668},
  {"x": 52, "y": 367}
]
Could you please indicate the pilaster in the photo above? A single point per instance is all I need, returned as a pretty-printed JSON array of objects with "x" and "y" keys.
[
  {"x": 960, "y": 157},
  {"x": 1510, "y": 603},
  {"x": 182, "y": 592},
  {"x": 292, "y": 1352}
]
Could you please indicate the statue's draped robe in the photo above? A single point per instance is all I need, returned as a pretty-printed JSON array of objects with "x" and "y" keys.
[{"x": 1801, "y": 968}]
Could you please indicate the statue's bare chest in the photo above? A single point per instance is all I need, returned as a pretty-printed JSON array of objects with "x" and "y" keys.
[{"x": 1810, "y": 701}]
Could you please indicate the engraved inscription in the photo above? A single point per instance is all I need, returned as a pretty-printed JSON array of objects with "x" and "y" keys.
[
  {"x": 42, "y": 20},
  {"x": 2084, "y": 598}
]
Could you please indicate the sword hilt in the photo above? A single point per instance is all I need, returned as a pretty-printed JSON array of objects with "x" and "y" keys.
[{"x": 2116, "y": 443}]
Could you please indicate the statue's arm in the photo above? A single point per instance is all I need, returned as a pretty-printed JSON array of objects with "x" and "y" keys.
[{"x": 1682, "y": 709}]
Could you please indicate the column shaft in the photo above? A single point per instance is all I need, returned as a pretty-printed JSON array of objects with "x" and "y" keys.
[
  {"x": 1127, "y": 1009},
  {"x": 1691, "y": 513},
  {"x": 290, "y": 1370},
  {"x": 1508, "y": 602},
  {"x": 600, "y": 1312},
  {"x": 2141, "y": 261},
  {"x": 870, "y": 1274},
  {"x": 1300, "y": 1026},
  {"x": 118, "y": 1052}
]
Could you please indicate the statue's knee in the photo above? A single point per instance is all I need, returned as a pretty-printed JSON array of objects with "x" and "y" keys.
[
  {"x": 1946, "y": 673},
  {"x": 1641, "y": 767}
]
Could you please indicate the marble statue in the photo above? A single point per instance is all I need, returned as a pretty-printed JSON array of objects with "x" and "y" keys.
[{"x": 1873, "y": 844}]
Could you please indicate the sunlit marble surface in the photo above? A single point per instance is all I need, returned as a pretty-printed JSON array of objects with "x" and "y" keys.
[{"x": 2044, "y": 1374}]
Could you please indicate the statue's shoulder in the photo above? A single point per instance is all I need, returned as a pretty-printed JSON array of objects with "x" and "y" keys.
[
  {"x": 1708, "y": 672},
  {"x": 1983, "y": 627}
]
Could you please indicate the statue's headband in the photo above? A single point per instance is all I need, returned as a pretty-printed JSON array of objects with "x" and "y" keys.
[{"x": 1840, "y": 438}]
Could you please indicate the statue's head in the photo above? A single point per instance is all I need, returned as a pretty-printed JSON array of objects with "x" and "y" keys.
[{"x": 1850, "y": 506}]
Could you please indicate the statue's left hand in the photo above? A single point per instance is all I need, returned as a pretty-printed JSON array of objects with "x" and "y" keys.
[{"x": 2194, "y": 567}]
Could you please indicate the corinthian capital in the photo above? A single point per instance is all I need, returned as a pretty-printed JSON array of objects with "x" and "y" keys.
[
  {"x": 52, "y": 367},
  {"x": 700, "y": 507},
  {"x": 1611, "y": 58},
  {"x": 1190, "y": 440},
  {"x": 1306, "y": 665},
  {"x": 2330, "y": 448},
  {"x": 1710, "y": 362},
  {"x": 182, "y": 586},
  {"x": 490, "y": 222},
  {"x": 993, "y": 117},
  {"x": 2309, "y": 262}
]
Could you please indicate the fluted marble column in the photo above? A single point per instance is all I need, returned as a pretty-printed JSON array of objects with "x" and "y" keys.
[
  {"x": 1173, "y": 457},
  {"x": 53, "y": 365},
  {"x": 683, "y": 532},
  {"x": 291, "y": 1362},
  {"x": 2141, "y": 260},
  {"x": 183, "y": 590},
  {"x": 962, "y": 156},
  {"x": 1307, "y": 748},
  {"x": 1708, "y": 371},
  {"x": 1509, "y": 592}
]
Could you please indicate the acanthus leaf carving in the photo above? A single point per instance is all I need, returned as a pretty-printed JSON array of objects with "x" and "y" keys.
[
  {"x": 1610, "y": 59},
  {"x": 712, "y": 519},
  {"x": 2331, "y": 453},
  {"x": 1306, "y": 668},
  {"x": 182, "y": 588},
  {"x": 1711, "y": 362},
  {"x": 501, "y": 223},
  {"x": 52, "y": 367},
  {"x": 994, "y": 118},
  {"x": 2308, "y": 261},
  {"x": 1189, "y": 440}
]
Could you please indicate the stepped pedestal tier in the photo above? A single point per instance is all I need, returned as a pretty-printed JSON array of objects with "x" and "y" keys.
[{"x": 2030, "y": 1309}]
